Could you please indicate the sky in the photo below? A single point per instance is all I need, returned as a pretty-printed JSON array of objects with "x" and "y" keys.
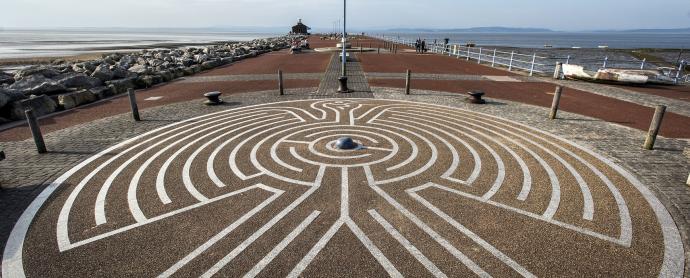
[{"x": 362, "y": 14}]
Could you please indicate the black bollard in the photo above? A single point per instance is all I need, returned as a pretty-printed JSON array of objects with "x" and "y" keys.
[
  {"x": 213, "y": 98},
  {"x": 342, "y": 88},
  {"x": 475, "y": 97}
]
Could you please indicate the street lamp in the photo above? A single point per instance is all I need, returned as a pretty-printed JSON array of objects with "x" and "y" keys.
[{"x": 343, "y": 58}]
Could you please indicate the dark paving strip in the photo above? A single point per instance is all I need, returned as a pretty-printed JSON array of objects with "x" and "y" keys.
[
  {"x": 171, "y": 93},
  {"x": 270, "y": 64},
  {"x": 357, "y": 81},
  {"x": 575, "y": 101},
  {"x": 250, "y": 77},
  {"x": 674, "y": 92},
  {"x": 425, "y": 63}
]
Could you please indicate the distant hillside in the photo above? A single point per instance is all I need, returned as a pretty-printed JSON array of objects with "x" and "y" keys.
[
  {"x": 473, "y": 30},
  {"x": 677, "y": 30}
]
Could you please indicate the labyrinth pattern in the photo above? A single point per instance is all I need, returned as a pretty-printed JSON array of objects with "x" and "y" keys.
[{"x": 262, "y": 191}]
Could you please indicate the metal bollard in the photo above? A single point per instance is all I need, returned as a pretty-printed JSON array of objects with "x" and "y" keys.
[
  {"x": 133, "y": 104},
  {"x": 407, "y": 82},
  {"x": 281, "y": 89},
  {"x": 556, "y": 102},
  {"x": 654, "y": 127},
  {"x": 557, "y": 71},
  {"x": 35, "y": 131}
]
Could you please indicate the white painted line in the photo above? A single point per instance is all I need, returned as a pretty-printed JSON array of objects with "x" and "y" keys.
[
  {"x": 493, "y": 250},
  {"x": 431, "y": 267},
  {"x": 428, "y": 230},
  {"x": 213, "y": 240},
  {"x": 256, "y": 235},
  {"x": 282, "y": 245}
]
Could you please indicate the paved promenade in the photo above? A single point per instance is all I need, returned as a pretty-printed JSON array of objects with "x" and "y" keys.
[{"x": 437, "y": 187}]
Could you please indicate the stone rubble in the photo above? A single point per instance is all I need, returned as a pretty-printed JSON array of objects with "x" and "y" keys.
[{"x": 64, "y": 85}]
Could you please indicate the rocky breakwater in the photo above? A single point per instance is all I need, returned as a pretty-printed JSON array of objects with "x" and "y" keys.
[{"x": 61, "y": 85}]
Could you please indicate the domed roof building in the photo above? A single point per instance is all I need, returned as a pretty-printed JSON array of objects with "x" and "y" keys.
[{"x": 300, "y": 28}]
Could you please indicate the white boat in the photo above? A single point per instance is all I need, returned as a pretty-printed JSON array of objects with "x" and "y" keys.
[{"x": 617, "y": 75}]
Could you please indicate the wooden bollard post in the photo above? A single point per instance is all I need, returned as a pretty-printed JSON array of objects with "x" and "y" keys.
[
  {"x": 281, "y": 89},
  {"x": 378, "y": 50},
  {"x": 407, "y": 82},
  {"x": 133, "y": 104},
  {"x": 556, "y": 101},
  {"x": 654, "y": 127},
  {"x": 35, "y": 130},
  {"x": 557, "y": 71}
]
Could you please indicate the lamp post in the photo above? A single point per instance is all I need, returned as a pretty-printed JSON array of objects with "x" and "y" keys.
[
  {"x": 344, "y": 40},
  {"x": 342, "y": 88}
]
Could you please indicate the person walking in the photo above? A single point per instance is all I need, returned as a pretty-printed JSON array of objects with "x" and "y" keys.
[
  {"x": 417, "y": 45},
  {"x": 423, "y": 46}
]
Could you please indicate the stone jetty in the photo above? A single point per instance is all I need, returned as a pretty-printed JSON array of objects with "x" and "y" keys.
[{"x": 64, "y": 85}]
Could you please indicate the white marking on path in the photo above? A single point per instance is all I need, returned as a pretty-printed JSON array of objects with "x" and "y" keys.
[
  {"x": 431, "y": 267},
  {"x": 281, "y": 246}
]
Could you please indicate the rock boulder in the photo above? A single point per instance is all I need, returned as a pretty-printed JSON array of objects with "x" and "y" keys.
[
  {"x": 79, "y": 80},
  {"x": 42, "y": 105},
  {"x": 103, "y": 73},
  {"x": 43, "y": 71},
  {"x": 6, "y": 78},
  {"x": 71, "y": 100}
]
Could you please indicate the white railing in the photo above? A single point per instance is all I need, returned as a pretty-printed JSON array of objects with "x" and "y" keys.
[{"x": 531, "y": 63}]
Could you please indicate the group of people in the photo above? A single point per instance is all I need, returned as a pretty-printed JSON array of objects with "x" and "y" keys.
[
  {"x": 420, "y": 46},
  {"x": 298, "y": 45}
]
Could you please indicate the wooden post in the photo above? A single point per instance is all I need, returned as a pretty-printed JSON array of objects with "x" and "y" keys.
[
  {"x": 35, "y": 131},
  {"x": 510, "y": 65},
  {"x": 654, "y": 127},
  {"x": 133, "y": 104},
  {"x": 557, "y": 71},
  {"x": 281, "y": 89},
  {"x": 493, "y": 60},
  {"x": 407, "y": 82},
  {"x": 378, "y": 50},
  {"x": 556, "y": 101}
]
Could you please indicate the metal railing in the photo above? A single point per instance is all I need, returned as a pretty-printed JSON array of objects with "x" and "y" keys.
[{"x": 530, "y": 63}]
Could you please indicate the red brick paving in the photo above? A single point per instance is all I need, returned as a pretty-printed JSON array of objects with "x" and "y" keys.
[
  {"x": 673, "y": 92},
  {"x": 172, "y": 93},
  {"x": 271, "y": 62},
  {"x": 575, "y": 101},
  {"x": 424, "y": 63}
]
